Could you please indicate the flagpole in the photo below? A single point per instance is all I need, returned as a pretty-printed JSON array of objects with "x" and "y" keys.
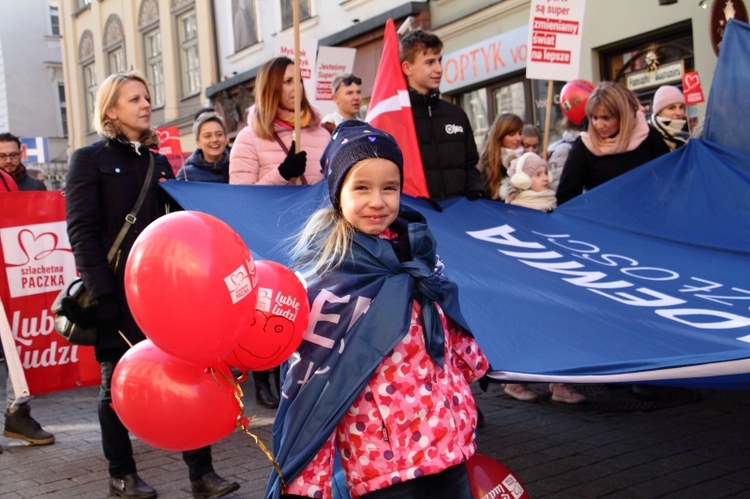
[
  {"x": 297, "y": 75},
  {"x": 297, "y": 82},
  {"x": 546, "y": 120}
]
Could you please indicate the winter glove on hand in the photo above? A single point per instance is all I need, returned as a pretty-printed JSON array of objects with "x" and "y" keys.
[
  {"x": 70, "y": 308},
  {"x": 294, "y": 164}
]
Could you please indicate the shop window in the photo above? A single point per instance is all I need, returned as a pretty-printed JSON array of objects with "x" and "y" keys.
[
  {"x": 475, "y": 105},
  {"x": 650, "y": 60}
]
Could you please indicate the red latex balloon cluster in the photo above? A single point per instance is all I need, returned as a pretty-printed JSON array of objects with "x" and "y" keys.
[
  {"x": 193, "y": 288},
  {"x": 281, "y": 315},
  {"x": 490, "y": 478},
  {"x": 573, "y": 98}
]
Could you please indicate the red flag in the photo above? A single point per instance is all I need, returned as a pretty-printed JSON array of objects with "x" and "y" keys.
[{"x": 390, "y": 110}]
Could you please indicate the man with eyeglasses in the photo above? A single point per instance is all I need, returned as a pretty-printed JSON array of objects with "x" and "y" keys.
[
  {"x": 10, "y": 161},
  {"x": 347, "y": 94},
  {"x": 18, "y": 421}
]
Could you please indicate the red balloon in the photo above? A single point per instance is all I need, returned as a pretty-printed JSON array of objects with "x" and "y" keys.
[
  {"x": 573, "y": 98},
  {"x": 281, "y": 316},
  {"x": 190, "y": 283},
  {"x": 490, "y": 478},
  {"x": 170, "y": 403}
]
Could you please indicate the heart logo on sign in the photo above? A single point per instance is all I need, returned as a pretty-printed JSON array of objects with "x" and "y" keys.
[
  {"x": 38, "y": 247},
  {"x": 163, "y": 135},
  {"x": 691, "y": 81}
]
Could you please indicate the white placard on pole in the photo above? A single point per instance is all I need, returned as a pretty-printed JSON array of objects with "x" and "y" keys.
[
  {"x": 332, "y": 61},
  {"x": 309, "y": 48},
  {"x": 554, "y": 44}
]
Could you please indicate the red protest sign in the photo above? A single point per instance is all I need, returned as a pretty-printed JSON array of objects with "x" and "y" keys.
[{"x": 691, "y": 88}]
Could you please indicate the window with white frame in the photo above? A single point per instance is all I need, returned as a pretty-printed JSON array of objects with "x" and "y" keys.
[
  {"x": 116, "y": 60},
  {"x": 243, "y": 20},
  {"x": 114, "y": 44},
  {"x": 63, "y": 108},
  {"x": 187, "y": 27},
  {"x": 90, "y": 86},
  {"x": 154, "y": 66},
  {"x": 287, "y": 18},
  {"x": 54, "y": 18}
]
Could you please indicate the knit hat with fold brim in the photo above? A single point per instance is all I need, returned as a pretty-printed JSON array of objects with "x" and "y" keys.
[
  {"x": 351, "y": 142},
  {"x": 665, "y": 96}
]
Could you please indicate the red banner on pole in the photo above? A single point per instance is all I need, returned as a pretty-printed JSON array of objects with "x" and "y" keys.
[
  {"x": 691, "y": 88},
  {"x": 390, "y": 110},
  {"x": 35, "y": 262},
  {"x": 171, "y": 147}
]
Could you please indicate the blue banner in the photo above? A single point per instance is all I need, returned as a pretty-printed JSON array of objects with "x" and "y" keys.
[{"x": 645, "y": 278}]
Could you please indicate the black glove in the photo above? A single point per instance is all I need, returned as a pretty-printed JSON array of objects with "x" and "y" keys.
[
  {"x": 81, "y": 317},
  {"x": 294, "y": 164},
  {"x": 474, "y": 195},
  {"x": 107, "y": 312},
  {"x": 432, "y": 203}
]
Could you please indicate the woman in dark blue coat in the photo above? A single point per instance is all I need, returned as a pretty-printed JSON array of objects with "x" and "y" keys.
[{"x": 210, "y": 160}]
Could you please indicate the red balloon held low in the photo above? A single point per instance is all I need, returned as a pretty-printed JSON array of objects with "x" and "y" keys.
[
  {"x": 282, "y": 313},
  {"x": 573, "y": 98},
  {"x": 190, "y": 283},
  {"x": 491, "y": 479},
  {"x": 172, "y": 404}
]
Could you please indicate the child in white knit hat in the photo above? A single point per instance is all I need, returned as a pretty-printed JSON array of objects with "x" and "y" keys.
[
  {"x": 668, "y": 116},
  {"x": 529, "y": 177}
]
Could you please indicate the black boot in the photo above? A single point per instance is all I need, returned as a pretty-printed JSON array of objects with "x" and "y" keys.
[
  {"x": 212, "y": 485},
  {"x": 265, "y": 397},
  {"x": 19, "y": 424},
  {"x": 131, "y": 486}
]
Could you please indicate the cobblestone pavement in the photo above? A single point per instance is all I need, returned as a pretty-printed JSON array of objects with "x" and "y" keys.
[{"x": 694, "y": 445}]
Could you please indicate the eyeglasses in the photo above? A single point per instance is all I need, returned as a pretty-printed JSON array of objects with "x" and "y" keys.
[
  {"x": 13, "y": 155},
  {"x": 347, "y": 81}
]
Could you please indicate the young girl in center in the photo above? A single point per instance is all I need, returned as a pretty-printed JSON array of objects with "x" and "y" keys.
[{"x": 382, "y": 376}]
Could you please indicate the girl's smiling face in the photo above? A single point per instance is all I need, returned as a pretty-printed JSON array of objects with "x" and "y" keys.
[{"x": 371, "y": 195}]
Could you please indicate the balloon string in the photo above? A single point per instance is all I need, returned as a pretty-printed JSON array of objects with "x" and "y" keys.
[{"x": 244, "y": 422}]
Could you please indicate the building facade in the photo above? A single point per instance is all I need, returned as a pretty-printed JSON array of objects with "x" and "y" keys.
[
  {"x": 623, "y": 41},
  {"x": 32, "y": 87},
  {"x": 171, "y": 42},
  {"x": 199, "y": 52},
  {"x": 629, "y": 42}
]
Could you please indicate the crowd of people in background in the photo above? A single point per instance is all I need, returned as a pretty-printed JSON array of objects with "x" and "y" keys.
[{"x": 105, "y": 178}]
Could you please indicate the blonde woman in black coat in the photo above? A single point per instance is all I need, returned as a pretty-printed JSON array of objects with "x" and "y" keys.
[{"x": 104, "y": 181}]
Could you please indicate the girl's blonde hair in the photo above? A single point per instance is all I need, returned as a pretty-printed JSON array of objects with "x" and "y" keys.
[
  {"x": 323, "y": 242},
  {"x": 620, "y": 103},
  {"x": 491, "y": 159},
  {"x": 268, "y": 87},
  {"x": 106, "y": 97}
]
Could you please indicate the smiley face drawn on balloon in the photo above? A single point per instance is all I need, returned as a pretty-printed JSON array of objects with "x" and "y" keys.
[
  {"x": 280, "y": 318},
  {"x": 270, "y": 337}
]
